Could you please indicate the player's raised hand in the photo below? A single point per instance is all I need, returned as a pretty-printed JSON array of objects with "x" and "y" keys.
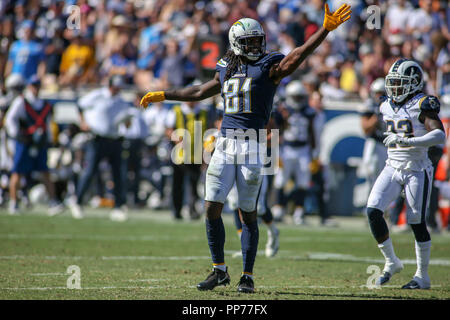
[
  {"x": 333, "y": 19},
  {"x": 152, "y": 96}
]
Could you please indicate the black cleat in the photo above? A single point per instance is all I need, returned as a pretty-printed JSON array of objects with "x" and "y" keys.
[
  {"x": 383, "y": 279},
  {"x": 216, "y": 278},
  {"x": 246, "y": 284},
  {"x": 413, "y": 284}
]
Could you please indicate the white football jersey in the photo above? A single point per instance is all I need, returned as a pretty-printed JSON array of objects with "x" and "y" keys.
[{"x": 404, "y": 120}]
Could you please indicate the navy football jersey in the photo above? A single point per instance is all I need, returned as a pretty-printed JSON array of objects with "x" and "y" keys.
[
  {"x": 248, "y": 94},
  {"x": 296, "y": 132}
]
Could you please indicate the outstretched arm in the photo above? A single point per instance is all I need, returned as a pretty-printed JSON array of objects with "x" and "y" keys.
[
  {"x": 192, "y": 93},
  {"x": 291, "y": 62}
]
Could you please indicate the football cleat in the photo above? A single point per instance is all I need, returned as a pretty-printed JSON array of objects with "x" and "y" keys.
[
  {"x": 118, "y": 215},
  {"x": 76, "y": 211},
  {"x": 216, "y": 278},
  {"x": 388, "y": 272},
  {"x": 13, "y": 208},
  {"x": 273, "y": 243},
  {"x": 55, "y": 208},
  {"x": 246, "y": 284},
  {"x": 418, "y": 283},
  {"x": 383, "y": 279},
  {"x": 299, "y": 217}
]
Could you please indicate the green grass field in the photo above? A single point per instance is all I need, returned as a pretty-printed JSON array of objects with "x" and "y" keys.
[{"x": 152, "y": 257}]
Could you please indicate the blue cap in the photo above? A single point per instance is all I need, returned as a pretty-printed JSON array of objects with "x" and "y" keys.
[{"x": 34, "y": 79}]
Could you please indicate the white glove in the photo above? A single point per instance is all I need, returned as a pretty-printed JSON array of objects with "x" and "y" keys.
[{"x": 394, "y": 138}]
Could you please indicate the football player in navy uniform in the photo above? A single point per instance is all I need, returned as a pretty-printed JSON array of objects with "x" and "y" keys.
[
  {"x": 298, "y": 143},
  {"x": 247, "y": 78}
]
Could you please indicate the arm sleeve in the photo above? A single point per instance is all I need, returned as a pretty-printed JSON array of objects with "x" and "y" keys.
[{"x": 432, "y": 138}]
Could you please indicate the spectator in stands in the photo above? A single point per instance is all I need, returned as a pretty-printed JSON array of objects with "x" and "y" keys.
[
  {"x": 6, "y": 39},
  {"x": 77, "y": 62},
  {"x": 26, "y": 56}
]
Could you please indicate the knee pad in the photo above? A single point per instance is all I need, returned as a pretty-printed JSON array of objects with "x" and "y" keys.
[
  {"x": 421, "y": 232},
  {"x": 377, "y": 223}
]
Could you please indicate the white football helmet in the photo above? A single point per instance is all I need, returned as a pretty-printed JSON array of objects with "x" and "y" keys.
[
  {"x": 296, "y": 94},
  {"x": 404, "y": 78},
  {"x": 247, "y": 38}
]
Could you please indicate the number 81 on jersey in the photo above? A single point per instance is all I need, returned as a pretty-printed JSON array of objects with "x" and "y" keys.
[{"x": 233, "y": 93}]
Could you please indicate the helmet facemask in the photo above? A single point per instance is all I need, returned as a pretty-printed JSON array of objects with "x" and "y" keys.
[{"x": 252, "y": 46}]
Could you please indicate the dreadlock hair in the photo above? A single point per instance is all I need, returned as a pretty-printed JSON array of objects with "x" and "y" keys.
[{"x": 233, "y": 62}]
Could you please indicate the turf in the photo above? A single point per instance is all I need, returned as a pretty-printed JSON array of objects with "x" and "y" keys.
[{"x": 152, "y": 257}]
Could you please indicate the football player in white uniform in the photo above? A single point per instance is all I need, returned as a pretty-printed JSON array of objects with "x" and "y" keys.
[{"x": 413, "y": 125}]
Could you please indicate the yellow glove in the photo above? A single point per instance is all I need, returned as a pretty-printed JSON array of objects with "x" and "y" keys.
[
  {"x": 156, "y": 96},
  {"x": 333, "y": 19},
  {"x": 314, "y": 166},
  {"x": 209, "y": 143}
]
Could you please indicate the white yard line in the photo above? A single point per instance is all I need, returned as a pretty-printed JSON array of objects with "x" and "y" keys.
[
  {"x": 48, "y": 274},
  {"x": 349, "y": 257},
  {"x": 13, "y": 236},
  {"x": 309, "y": 256},
  {"x": 193, "y": 287}
]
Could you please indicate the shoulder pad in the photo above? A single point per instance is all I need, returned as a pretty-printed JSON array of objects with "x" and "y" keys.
[
  {"x": 222, "y": 63},
  {"x": 383, "y": 98},
  {"x": 430, "y": 103},
  {"x": 272, "y": 57},
  {"x": 269, "y": 59}
]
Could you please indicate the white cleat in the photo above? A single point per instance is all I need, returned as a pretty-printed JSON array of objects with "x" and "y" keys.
[
  {"x": 77, "y": 212},
  {"x": 55, "y": 209},
  {"x": 273, "y": 243},
  {"x": 277, "y": 212},
  {"x": 118, "y": 215},
  {"x": 388, "y": 271},
  {"x": 13, "y": 208},
  {"x": 299, "y": 217}
]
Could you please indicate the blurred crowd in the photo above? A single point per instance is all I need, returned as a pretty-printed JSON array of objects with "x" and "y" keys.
[{"x": 159, "y": 44}]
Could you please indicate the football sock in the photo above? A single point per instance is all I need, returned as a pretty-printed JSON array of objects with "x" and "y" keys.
[
  {"x": 387, "y": 249},
  {"x": 222, "y": 266},
  {"x": 423, "y": 258},
  {"x": 215, "y": 233},
  {"x": 250, "y": 275},
  {"x": 270, "y": 228},
  {"x": 249, "y": 244}
]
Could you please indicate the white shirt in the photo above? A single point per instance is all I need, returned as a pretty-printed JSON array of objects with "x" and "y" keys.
[
  {"x": 100, "y": 111},
  {"x": 155, "y": 118},
  {"x": 398, "y": 17},
  {"x": 420, "y": 19},
  {"x": 137, "y": 129}
]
